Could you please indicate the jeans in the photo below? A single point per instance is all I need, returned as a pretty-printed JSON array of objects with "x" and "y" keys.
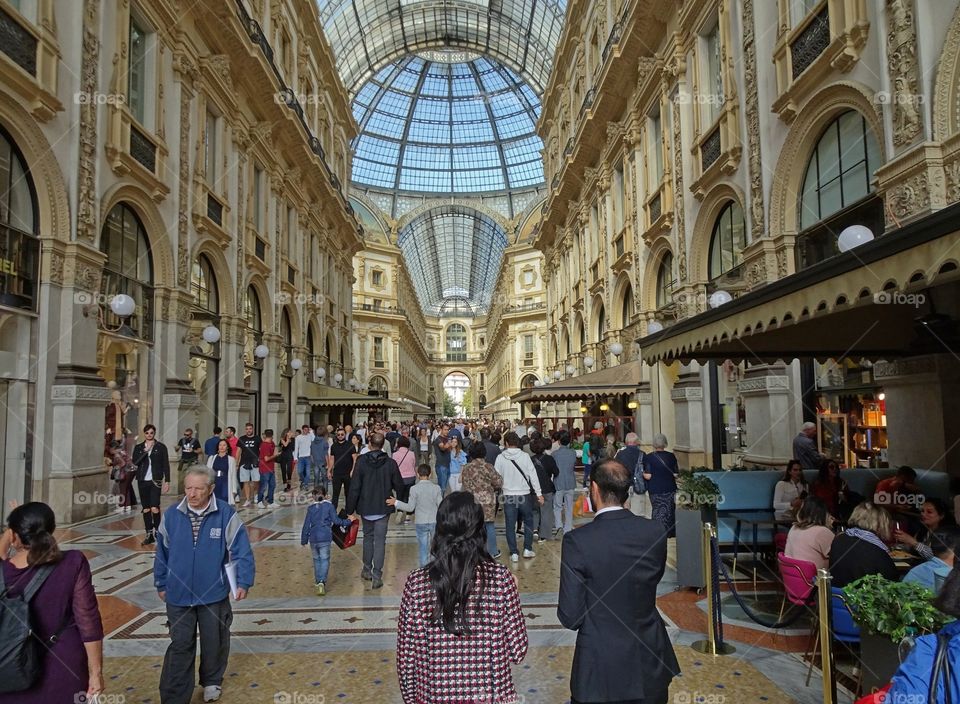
[
  {"x": 303, "y": 469},
  {"x": 321, "y": 561},
  {"x": 543, "y": 518},
  {"x": 319, "y": 476},
  {"x": 374, "y": 542},
  {"x": 586, "y": 474},
  {"x": 268, "y": 484},
  {"x": 213, "y": 621},
  {"x": 425, "y": 533},
  {"x": 491, "y": 537},
  {"x": 563, "y": 504},
  {"x": 522, "y": 506},
  {"x": 443, "y": 477}
]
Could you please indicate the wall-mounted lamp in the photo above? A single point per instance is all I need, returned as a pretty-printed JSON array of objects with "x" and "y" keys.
[
  {"x": 296, "y": 363},
  {"x": 261, "y": 351}
]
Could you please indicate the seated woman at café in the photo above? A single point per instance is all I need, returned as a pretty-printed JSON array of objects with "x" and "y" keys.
[
  {"x": 790, "y": 492},
  {"x": 945, "y": 544},
  {"x": 933, "y": 516},
  {"x": 832, "y": 490},
  {"x": 862, "y": 548},
  {"x": 811, "y": 536}
]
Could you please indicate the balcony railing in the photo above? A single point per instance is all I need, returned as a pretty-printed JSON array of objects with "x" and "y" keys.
[
  {"x": 810, "y": 43},
  {"x": 710, "y": 150},
  {"x": 214, "y": 210},
  {"x": 17, "y": 43}
]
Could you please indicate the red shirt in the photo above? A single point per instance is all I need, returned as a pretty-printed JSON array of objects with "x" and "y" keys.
[
  {"x": 267, "y": 460},
  {"x": 232, "y": 442}
]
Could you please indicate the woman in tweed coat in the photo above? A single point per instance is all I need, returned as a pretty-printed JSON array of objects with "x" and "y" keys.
[
  {"x": 460, "y": 624},
  {"x": 481, "y": 479}
]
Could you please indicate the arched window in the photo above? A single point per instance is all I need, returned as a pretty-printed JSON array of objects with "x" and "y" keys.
[
  {"x": 601, "y": 323},
  {"x": 128, "y": 269},
  {"x": 252, "y": 365},
  {"x": 312, "y": 362},
  {"x": 626, "y": 310},
  {"x": 728, "y": 240},
  {"x": 840, "y": 169},
  {"x": 836, "y": 188},
  {"x": 665, "y": 281},
  {"x": 203, "y": 286},
  {"x": 286, "y": 350},
  {"x": 378, "y": 387},
  {"x": 456, "y": 343},
  {"x": 18, "y": 228}
]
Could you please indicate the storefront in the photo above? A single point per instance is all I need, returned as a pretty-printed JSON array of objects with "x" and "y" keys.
[
  {"x": 19, "y": 283},
  {"x": 860, "y": 343}
]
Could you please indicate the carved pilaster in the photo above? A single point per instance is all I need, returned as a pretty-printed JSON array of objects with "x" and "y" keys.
[
  {"x": 904, "y": 72},
  {"x": 87, "y": 166},
  {"x": 678, "y": 189},
  {"x": 752, "y": 104}
]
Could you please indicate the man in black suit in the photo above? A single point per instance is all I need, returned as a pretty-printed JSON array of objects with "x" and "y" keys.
[{"x": 609, "y": 571}]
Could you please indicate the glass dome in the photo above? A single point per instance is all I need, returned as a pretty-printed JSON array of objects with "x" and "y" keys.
[{"x": 447, "y": 122}]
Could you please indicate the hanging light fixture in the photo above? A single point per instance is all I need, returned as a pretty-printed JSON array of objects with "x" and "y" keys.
[
  {"x": 853, "y": 236},
  {"x": 211, "y": 334}
]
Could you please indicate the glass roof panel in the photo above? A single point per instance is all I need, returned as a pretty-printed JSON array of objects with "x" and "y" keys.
[
  {"x": 366, "y": 34},
  {"x": 427, "y": 117},
  {"x": 453, "y": 252}
]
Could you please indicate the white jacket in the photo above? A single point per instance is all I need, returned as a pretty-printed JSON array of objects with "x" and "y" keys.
[
  {"x": 514, "y": 483},
  {"x": 301, "y": 446}
]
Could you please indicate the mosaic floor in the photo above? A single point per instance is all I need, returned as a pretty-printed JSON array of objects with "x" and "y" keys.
[{"x": 291, "y": 647}]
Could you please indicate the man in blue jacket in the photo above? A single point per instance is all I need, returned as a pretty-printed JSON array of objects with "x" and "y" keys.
[{"x": 196, "y": 538}]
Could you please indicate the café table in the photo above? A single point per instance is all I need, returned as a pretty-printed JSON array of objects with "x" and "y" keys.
[{"x": 755, "y": 519}]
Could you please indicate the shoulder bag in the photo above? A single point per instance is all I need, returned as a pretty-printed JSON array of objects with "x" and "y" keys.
[
  {"x": 533, "y": 493},
  {"x": 941, "y": 671}
]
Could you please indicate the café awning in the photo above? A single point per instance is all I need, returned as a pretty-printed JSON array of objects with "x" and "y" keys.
[
  {"x": 332, "y": 397},
  {"x": 873, "y": 302},
  {"x": 622, "y": 379}
]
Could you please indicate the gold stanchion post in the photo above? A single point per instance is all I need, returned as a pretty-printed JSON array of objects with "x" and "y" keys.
[
  {"x": 824, "y": 606},
  {"x": 710, "y": 645}
]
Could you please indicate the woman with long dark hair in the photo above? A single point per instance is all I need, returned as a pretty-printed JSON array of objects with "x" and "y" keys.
[
  {"x": 460, "y": 622},
  {"x": 63, "y": 611}
]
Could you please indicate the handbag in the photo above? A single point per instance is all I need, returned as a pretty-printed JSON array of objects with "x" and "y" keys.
[
  {"x": 941, "y": 671},
  {"x": 345, "y": 537},
  {"x": 639, "y": 483}
]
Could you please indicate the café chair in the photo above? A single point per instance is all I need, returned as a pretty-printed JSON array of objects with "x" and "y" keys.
[{"x": 798, "y": 588}]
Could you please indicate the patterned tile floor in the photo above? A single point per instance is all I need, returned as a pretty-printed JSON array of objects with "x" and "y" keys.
[{"x": 291, "y": 647}]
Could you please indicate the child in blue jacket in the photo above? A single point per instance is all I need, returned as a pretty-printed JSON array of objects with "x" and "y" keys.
[{"x": 321, "y": 516}]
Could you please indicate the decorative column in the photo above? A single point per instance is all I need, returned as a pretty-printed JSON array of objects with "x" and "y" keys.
[
  {"x": 688, "y": 403},
  {"x": 644, "y": 414},
  {"x": 273, "y": 384},
  {"x": 233, "y": 333},
  {"x": 923, "y": 411},
  {"x": 767, "y": 399},
  {"x": 178, "y": 402}
]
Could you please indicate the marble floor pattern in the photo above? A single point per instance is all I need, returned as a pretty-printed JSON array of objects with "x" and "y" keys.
[{"x": 291, "y": 647}]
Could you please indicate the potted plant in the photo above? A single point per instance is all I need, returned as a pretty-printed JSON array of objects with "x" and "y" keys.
[
  {"x": 889, "y": 614},
  {"x": 697, "y": 498}
]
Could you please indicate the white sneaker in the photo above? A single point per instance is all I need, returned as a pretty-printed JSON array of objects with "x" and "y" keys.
[
  {"x": 529, "y": 553},
  {"x": 515, "y": 557},
  {"x": 211, "y": 693},
  {"x": 246, "y": 504},
  {"x": 261, "y": 505}
]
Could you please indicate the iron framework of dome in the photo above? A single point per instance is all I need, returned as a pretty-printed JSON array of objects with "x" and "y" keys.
[
  {"x": 447, "y": 127},
  {"x": 367, "y": 34},
  {"x": 453, "y": 254}
]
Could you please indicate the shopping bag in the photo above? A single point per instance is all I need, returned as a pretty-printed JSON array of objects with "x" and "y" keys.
[
  {"x": 877, "y": 697},
  {"x": 345, "y": 537}
]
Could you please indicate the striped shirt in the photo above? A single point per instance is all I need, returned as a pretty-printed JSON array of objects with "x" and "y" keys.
[{"x": 196, "y": 517}]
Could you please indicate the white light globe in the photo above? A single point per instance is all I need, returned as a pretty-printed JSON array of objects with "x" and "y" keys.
[
  {"x": 537, "y": 383},
  {"x": 571, "y": 370},
  {"x": 588, "y": 362},
  {"x": 557, "y": 374},
  {"x": 211, "y": 334},
  {"x": 261, "y": 351},
  {"x": 320, "y": 372},
  {"x": 654, "y": 327},
  {"x": 719, "y": 298},
  {"x": 122, "y": 305},
  {"x": 296, "y": 363},
  {"x": 853, "y": 236},
  {"x": 338, "y": 377},
  {"x": 616, "y": 348},
  {"x": 353, "y": 383}
]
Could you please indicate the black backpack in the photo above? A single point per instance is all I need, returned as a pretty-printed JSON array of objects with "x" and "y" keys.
[{"x": 21, "y": 651}]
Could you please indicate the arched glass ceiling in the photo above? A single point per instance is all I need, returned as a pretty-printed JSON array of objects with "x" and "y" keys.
[
  {"x": 447, "y": 122},
  {"x": 367, "y": 34},
  {"x": 452, "y": 252}
]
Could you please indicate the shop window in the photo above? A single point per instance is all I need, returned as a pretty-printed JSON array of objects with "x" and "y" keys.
[
  {"x": 665, "y": 281},
  {"x": 727, "y": 241},
  {"x": 141, "y": 52},
  {"x": 19, "y": 245}
]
